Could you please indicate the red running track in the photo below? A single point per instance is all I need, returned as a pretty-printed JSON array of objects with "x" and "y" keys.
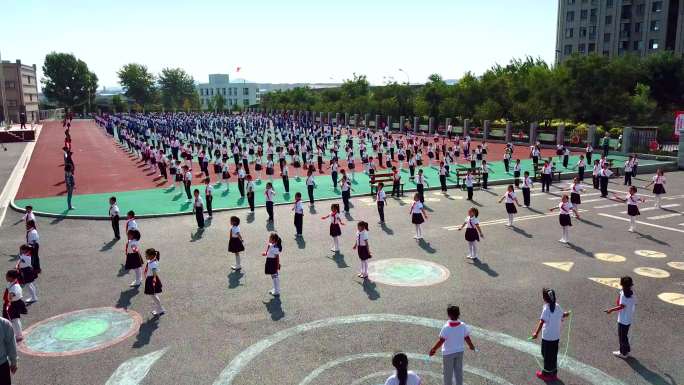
[{"x": 102, "y": 166}]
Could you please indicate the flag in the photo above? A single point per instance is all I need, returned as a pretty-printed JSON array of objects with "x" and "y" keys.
[{"x": 238, "y": 69}]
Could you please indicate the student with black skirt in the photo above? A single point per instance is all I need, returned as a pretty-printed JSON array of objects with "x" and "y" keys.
[
  {"x": 272, "y": 266},
  {"x": 418, "y": 216},
  {"x": 658, "y": 183},
  {"x": 133, "y": 258},
  {"x": 13, "y": 303},
  {"x": 575, "y": 190},
  {"x": 632, "y": 201},
  {"x": 198, "y": 208},
  {"x": 236, "y": 244},
  {"x": 153, "y": 284},
  {"x": 28, "y": 275},
  {"x": 335, "y": 223},
  {"x": 363, "y": 247},
  {"x": 511, "y": 201},
  {"x": 298, "y": 209},
  {"x": 564, "y": 208},
  {"x": 516, "y": 172},
  {"x": 550, "y": 322},
  {"x": 473, "y": 232}
]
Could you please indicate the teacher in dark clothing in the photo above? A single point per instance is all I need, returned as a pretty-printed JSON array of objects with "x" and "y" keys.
[{"x": 8, "y": 352}]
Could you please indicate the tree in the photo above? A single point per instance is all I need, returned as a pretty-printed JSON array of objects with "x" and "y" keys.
[
  {"x": 177, "y": 86},
  {"x": 219, "y": 102},
  {"x": 430, "y": 96},
  {"x": 210, "y": 105},
  {"x": 118, "y": 104},
  {"x": 67, "y": 80},
  {"x": 641, "y": 107},
  {"x": 664, "y": 73},
  {"x": 138, "y": 83}
]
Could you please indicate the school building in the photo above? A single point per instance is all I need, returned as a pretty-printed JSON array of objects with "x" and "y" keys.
[
  {"x": 235, "y": 94},
  {"x": 18, "y": 91}
]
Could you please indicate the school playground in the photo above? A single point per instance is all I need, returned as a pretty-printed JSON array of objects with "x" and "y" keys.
[{"x": 105, "y": 169}]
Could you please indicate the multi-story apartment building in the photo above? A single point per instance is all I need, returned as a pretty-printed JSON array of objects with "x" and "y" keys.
[
  {"x": 19, "y": 91},
  {"x": 235, "y": 94}
]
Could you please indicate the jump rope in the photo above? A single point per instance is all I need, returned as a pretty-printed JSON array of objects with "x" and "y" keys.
[{"x": 564, "y": 358}]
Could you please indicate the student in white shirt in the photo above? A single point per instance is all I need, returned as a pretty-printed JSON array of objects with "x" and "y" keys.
[
  {"x": 632, "y": 201},
  {"x": 658, "y": 183},
  {"x": 298, "y": 209},
  {"x": 576, "y": 189},
  {"x": 236, "y": 244},
  {"x": 29, "y": 215},
  {"x": 403, "y": 376},
  {"x": 549, "y": 324},
  {"x": 452, "y": 339},
  {"x": 269, "y": 195},
  {"x": 565, "y": 208},
  {"x": 310, "y": 186},
  {"x": 363, "y": 247},
  {"x": 272, "y": 266},
  {"x": 114, "y": 216},
  {"x": 32, "y": 239},
  {"x": 250, "y": 193},
  {"x": 13, "y": 303},
  {"x": 187, "y": 181},
  {"x": 381, "y": 201},
  {"x": 511, "y": 201},
  {"x": 209, "y": 196},
  {"x": 335, "y": 223},
  {"x": 468, "y": 182},
  {"x": 473, "y": 232},
  {"x": 28, "y": 275},
  {"x": 418, "y": 215},
  {"x": 526, "y": 187},
  {"x": 625, "y": 307},
  {"x": 153, "y": 284},
  {"x": 198, "y": 208},
  {"x": 420, "y": 185}
]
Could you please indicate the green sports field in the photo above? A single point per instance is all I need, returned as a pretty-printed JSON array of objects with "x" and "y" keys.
[{"x": 170, "y": 201}]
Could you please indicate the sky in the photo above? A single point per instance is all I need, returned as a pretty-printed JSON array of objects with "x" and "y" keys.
[{"x": 283, "y": 41}]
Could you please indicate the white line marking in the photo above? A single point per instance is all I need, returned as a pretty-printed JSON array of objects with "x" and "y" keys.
[
  {"x": 134, "y": 370},
  {"x": 414, "y": 356},
  {"x": 243, "y": 359},
  {"x": 664, "y": 216},
  {"x": 607, "y": 206},
  {"x": 654, "y": 208},
  {"x": 673, "y": 197},
  {"x": 14, "y": 180},
  {"x": 516, "y": 219},
  {"x": 583, "y": 195},
  {"x": 641, "y": 223}
]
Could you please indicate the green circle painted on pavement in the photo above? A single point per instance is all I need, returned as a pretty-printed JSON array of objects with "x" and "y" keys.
[
  {"x": 407, "y": 272},
  {"x": 82, "y": 329}
]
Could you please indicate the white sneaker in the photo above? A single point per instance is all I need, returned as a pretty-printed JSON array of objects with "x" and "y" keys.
[
  {"x": 620, "y": 355},
  {"x": 31, "y": 300},
  {"x": 134, "y": 284},
  {"x": 274, "y": 293},
  {"x": 158, "y": 313},
  {"x": 562, "y": 241},
  {"x": 234, "y": 267},
  {"x": 631, "y": 230}
]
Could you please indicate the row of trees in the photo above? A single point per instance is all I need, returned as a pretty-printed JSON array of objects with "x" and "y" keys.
[{"x": 590, "y": 89}]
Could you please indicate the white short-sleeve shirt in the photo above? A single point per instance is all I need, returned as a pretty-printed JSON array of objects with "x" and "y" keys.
[
  {"x": 551, "y": 329},
  {"x": 272, "y": 251},
  {"x": 362, "y": 238},
  {"x": 152, "y": 267},
  {"x": 625, "y": 315},
  {"x": 510, "y": 197},
  {"x": 417, "y": 207},
  {"x": 411, "y": 379},
  {"x": 234, "y": 231},
  {"x": 15, "y": 291},
  {"x": 454, "y": 334}
]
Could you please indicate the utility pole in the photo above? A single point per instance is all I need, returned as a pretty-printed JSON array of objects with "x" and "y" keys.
[{"x": 3, "y": 96}]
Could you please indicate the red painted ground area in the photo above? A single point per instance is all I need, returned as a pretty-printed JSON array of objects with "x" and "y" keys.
[{"x": 102, "y": 166}]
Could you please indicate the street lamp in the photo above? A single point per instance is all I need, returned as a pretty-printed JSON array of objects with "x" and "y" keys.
[{"x": 408, "y": 81}]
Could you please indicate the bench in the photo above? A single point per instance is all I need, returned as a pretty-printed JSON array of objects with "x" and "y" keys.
[
  {"x": 461, "y": 172},
  {"x": 537, "y": 175},
  {"x": 612, "y": 167},
  {"x": 387, "y": 179}
]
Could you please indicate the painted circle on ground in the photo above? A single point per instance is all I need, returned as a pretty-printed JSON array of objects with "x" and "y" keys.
[
  {"x": 676, "y": 265},
  {"x": 609, "y": 257},
  {"x": 407, "y": 272},
  {"x": 650, "y": 253},
  {"x": 590, "y": 374},
  {"x": 652, "y": 272},
  {"x": 489, "y": 377},
  {"x": 673, "y": 298},
  {"x": 80, "y": 332}
]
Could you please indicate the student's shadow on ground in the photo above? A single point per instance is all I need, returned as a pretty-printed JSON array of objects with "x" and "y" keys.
[
  {"x": 301, "y": 243},
  {"x": 581, "y": 250},
  {"x": 170, "y": 189},
  {"x": 475, "y": 203},
  {"x": 370, "y": 288},
  {"x": 652, "y": 239},
  {"x": 275, "y": 308},
  {"x": 348, "y": 217},
  {"x": 126, "y": 296},
  {"x": 590, "y": 223},
  {"x": 145, "y": 332},
  {"x": 490, "y": 192},
  {"x": 122, "y": 271},
  {"x": 197, "y": 235},
  {"x": 109, "y": 245},
  {"x": 270, "y": 226},
  {"x": 522, "y": 232},
  {"x": 485, "y": 267},
  {"x": 426, "y": 246},
  {"x": 339, "y": 260},
  {"x": 312, "y": 209},
  {"x": 60, "y": 218},
  {"x": 249, "y": 217},
  {"x": 428, "y": 209},
  {"x": 386, "y": 229},
  {"x": 234, "y": 278},
  {"x": 535, "y": 210},
  {"x": 225, "y": 193},
  {"x": 177, "y": 197},
  {"x": 647, "y": 374}
]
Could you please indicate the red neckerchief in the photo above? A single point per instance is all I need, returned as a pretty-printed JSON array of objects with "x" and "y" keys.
[{"x": 454, "y": 324}]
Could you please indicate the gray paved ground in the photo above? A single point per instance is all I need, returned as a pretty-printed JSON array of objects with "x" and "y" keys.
[
  {"x": 8, "y": 159},
  {"x": 214, "y": 316}
]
